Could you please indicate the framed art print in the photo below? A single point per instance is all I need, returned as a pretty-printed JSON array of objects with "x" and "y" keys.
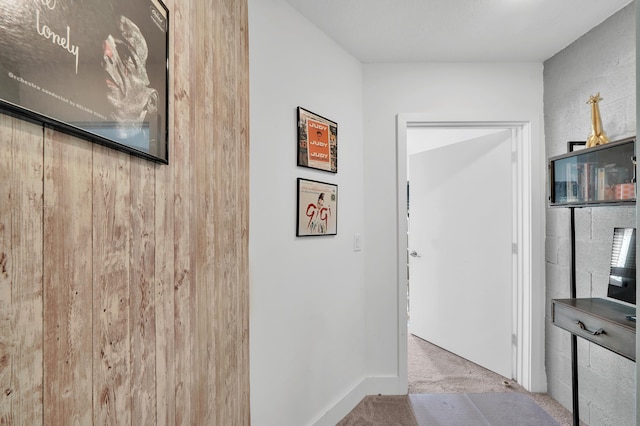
[
  {"x": 317, "y": 142},
  {"x": 317, "y": 208},
  {"x": 576, "y": 145},
  {"x": 97, "y": 69}
]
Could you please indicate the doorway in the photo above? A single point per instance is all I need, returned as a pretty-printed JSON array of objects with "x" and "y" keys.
[
  {"x": 461, "y": 236},
  {"x": 528, "y": 205}
]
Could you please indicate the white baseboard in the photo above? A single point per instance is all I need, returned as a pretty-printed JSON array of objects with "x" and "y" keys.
[{"x": 390, "y": 385}]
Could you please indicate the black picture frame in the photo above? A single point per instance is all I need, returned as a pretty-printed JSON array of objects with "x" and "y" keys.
[
  {"x": 317, "y": 208},
  {"x": 96, "y": 70},
  {"x": 576, "y": 145},
  {"x": 320, "y": 150}
]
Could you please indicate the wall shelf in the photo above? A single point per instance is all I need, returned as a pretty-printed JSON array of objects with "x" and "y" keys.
[{"x": 600, "y": 176}]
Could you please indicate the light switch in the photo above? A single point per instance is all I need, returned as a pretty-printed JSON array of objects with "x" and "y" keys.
[{"x": 356, "y": 242}]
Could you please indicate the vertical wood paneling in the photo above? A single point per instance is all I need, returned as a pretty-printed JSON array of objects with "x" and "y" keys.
[
  {"x": 21, "y": 177},
  {"x": 205, "y": 209},
  {"x": 7, "y": 337},
  {"x": 111, "y": 303},
  {"x": 67, "y": 280},
  {"x": 184, "y": 241},
  {"x": 124, "y": 295},
  {"x": 225, "y": 150},
  {"x": 142, "y": 293},
  {"x": 164, "y": 264},
  {"x": 164, "y": 296},
  {"x": 238, "y": 237},
  {"x": 241, "y": 237}
]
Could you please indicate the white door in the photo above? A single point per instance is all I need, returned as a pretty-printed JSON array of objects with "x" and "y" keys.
[{"x": 460, "y": 234}]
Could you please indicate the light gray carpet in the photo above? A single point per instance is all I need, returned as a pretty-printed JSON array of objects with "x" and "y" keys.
[
  {"x": 440, "y": 375},
  {"x": 478, "y": 409},
  {"x": 432, "y": 369},
  {"x": 381, "y": 410}
]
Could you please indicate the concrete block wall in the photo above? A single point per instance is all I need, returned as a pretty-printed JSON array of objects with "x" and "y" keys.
[{"x": 603, "y": 60}]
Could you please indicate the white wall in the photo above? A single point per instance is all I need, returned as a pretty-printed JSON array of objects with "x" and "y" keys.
[
  {"x": 307, "y": 294},
  {"x": 603, "y": 60},
  {"x": 321, "y": 340},
  {"x": 445, "y": 92}
]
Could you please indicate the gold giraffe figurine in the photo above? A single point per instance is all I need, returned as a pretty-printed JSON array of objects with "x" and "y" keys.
[{"x": 597, "y": 136}]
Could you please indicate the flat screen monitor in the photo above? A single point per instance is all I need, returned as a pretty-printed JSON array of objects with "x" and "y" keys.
[{"x": 622, "y": 275}]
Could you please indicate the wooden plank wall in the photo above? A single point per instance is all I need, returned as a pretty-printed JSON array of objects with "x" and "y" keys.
[{"x": 124, "y": 283}]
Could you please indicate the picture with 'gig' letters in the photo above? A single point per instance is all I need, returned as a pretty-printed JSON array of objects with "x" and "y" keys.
[{"x": 317, "y": 209}]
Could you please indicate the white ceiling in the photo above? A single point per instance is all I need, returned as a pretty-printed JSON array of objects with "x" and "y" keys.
[{"x": 456, "y": 30}]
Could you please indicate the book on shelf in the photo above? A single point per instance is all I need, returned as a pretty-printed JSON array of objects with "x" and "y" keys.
[
  {"x": 588, "y": 181},
  {"x": 571, "y": 178},
  {"x": 601, "y": 185}
]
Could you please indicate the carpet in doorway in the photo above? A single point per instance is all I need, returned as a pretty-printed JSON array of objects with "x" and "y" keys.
[
  {"x": 474, "y": 409},
  {"x": 381, "y": 410}
]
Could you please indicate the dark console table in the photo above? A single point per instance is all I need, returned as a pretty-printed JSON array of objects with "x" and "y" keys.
[{"x": 601, "y": 321}]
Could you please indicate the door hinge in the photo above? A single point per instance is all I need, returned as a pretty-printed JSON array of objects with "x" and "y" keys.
[{"x": 514, "y": 248}]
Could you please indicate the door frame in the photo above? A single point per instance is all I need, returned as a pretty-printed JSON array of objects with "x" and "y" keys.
[{"x": 529, "y": 231}]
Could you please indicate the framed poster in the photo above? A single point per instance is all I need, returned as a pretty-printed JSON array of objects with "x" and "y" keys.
[
  {"x": 317, "y": 142},
  {"x": 317, "y": 208},
  {"x": 576, "y": 145},
  {"x": 97, "y": 69}
]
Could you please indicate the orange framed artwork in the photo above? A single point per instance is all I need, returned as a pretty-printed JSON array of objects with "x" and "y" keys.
[{"x": 317, "y": 141}]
